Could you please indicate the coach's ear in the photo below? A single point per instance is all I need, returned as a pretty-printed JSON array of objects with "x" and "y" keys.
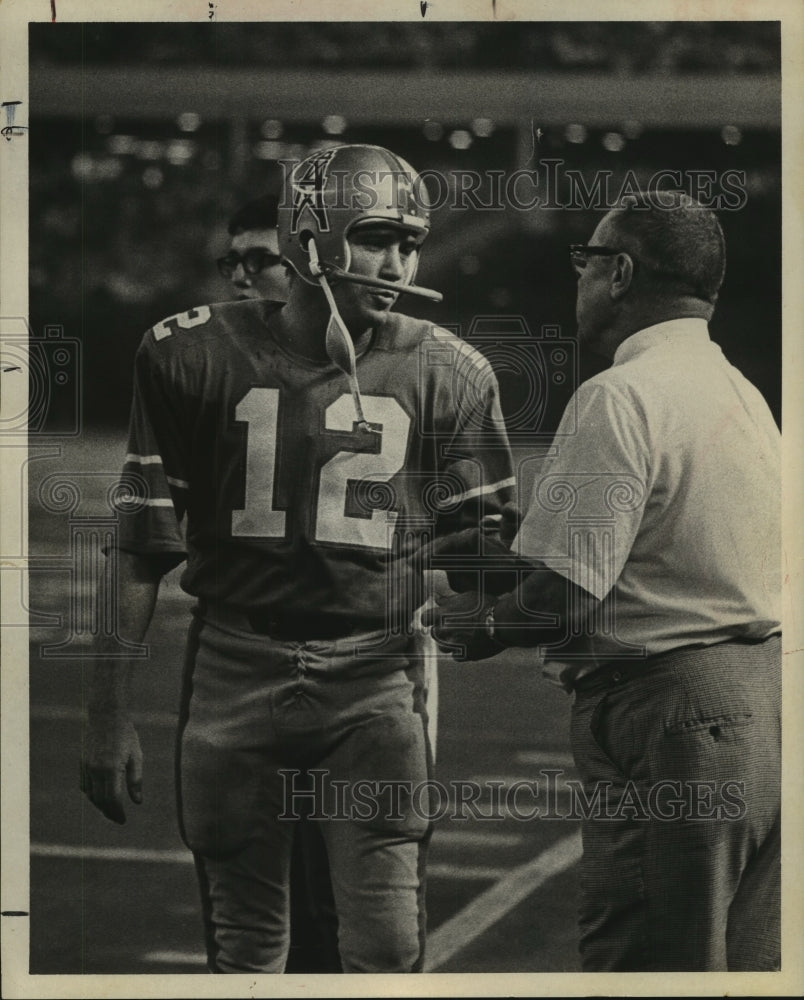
[{"x": 623, "y": 276}]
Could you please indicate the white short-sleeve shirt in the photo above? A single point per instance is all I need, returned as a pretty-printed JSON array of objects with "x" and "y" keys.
[{"x": 665, "y": 502}]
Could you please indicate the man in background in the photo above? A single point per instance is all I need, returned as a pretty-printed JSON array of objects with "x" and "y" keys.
[{"x": 253, "y": 263}]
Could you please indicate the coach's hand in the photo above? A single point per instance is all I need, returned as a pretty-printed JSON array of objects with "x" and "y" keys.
[
  {"x": 458, "y": 624},
  {"x": 112, "y": 764},
  {"x": 482, "y": 554},
  {"x": 510, "y": 521}
]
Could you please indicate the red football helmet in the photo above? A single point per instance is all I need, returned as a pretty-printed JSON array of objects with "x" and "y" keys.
[{"x": 336, "y": 189}]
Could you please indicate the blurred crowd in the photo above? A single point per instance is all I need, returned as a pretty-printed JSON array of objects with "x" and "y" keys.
[{"x": 627, "y": 47}]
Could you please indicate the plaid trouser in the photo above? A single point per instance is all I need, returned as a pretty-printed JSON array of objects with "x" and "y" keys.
[{"x": 681, "y": 848}]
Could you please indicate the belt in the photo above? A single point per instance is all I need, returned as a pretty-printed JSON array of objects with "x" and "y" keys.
[
  {"x": 614, "y": 673},
  {"x": 292, "y": 627},
  {"x": 618, "y": 672}
]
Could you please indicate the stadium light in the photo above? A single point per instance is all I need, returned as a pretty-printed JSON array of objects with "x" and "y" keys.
[
  {"x": 189, "y": 121},
  {"x": 269, "y": 150},
  {"x": 731, "y": 135},
  {"x": 334, "y": 124},
  {"x": 122, "y": 145},
  {"x": 575, "y": 133},
  {"x": 483, "y": 127},
  {"x": 180, "y": 152},
  {"x": 152, "y": 178},
  {"x": 271, "y": 128},
  {"x": 613, "y": 142},
  {"x": 460, "y": 139}
]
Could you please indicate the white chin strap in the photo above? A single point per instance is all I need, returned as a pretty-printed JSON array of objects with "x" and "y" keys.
[{"x": 340, "y": 348}]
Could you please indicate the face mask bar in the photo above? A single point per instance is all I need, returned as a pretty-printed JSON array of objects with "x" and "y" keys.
[{"x": 391, "y": 286}]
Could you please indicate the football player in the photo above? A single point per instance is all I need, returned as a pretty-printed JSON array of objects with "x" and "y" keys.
[{"x": 315, "y": 449}]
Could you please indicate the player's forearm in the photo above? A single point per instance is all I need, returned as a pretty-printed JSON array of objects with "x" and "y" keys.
[{"x": 138, "y": 586}]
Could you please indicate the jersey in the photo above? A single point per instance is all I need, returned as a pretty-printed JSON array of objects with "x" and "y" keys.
[{"x": 291, "y": 509}]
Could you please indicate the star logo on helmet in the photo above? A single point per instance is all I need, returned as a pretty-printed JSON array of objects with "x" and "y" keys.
[{"x": 309, "y": 180}]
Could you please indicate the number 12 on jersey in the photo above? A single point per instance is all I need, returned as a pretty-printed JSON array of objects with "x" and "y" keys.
[{"x": 259, "y": 409}]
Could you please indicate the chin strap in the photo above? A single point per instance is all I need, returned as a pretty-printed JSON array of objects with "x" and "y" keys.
[{"x": 340, "y": 348}]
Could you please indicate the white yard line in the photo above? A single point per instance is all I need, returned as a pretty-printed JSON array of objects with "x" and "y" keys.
[
  {"x": 111, "y": 853},
  {"x": 476, "y": 838},
  {"x": 492, "y": 905},
  {"x": 507, "y": 781},
  {"x": 488, "y": 873},
  {"x": 546, "y": 758},
  {"x": 175, "y": 957},
  {"x": 445, "y": 870},
  {"x": 60, "y": 713}
]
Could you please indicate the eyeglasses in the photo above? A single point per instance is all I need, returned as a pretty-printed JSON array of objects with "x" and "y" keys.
[
  {"x": 254, "y": 260},
  {"x": 580, "y": 251}
]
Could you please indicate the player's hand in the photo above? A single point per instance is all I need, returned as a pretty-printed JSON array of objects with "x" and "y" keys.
[
  {"x": 456, "y": 556},
  {"x": 465, "y": 638},
  {"x": 112, "y": 764}
]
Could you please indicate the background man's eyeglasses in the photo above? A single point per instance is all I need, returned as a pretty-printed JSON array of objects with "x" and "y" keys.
[{"x": 253, "y": 261}]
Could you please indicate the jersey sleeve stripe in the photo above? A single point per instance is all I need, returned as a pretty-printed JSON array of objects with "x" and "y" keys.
[
  {"x": 158, "y": 502},
  {"x": 478, "y": 491},
  {"x": 153, "y": 475}
]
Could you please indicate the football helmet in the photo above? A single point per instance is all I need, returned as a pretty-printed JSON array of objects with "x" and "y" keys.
[{"x": 334, "y": 190}]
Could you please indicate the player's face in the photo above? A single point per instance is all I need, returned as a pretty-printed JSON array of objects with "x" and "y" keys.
[
  {"x": 268, "y": 283},
  {"x": 377, "y": 251}
]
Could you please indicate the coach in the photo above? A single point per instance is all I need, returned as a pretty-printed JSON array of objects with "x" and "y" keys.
[{"x": 654, "y": 535}]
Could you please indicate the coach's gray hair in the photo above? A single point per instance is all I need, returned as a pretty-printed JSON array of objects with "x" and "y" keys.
[{"x": 678, "y": 240}]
